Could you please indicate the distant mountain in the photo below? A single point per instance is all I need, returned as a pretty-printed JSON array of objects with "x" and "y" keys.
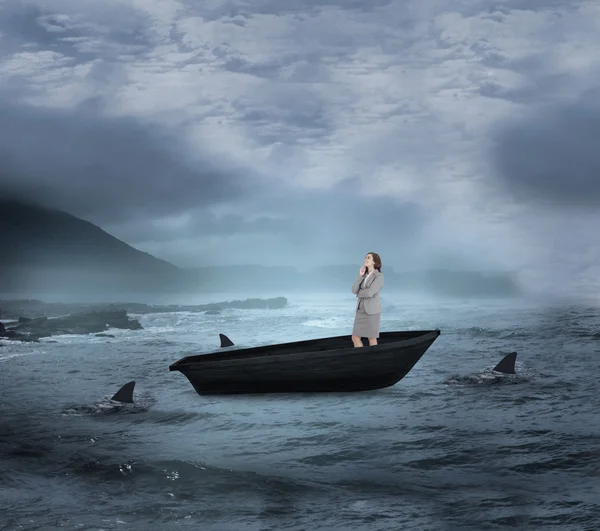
[{"x": 48, "y": 248}]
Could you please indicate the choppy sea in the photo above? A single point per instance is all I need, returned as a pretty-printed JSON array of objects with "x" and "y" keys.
[{"x": 443, "y": 449}]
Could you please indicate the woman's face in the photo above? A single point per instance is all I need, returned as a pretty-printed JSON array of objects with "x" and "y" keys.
[{"x": 369, "y": 260}]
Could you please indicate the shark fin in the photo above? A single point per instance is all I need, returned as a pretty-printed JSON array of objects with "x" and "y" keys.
[
  {"x": 507, "y": 364},
  {"x": 225, "y": 341},
  {"x": 125, "y": 394}
]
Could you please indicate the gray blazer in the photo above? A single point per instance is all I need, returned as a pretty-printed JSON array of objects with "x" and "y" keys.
[{"x": 369, "y": 294}]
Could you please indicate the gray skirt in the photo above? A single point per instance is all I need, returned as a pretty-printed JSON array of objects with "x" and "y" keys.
[{"x": 365, "y": 324}]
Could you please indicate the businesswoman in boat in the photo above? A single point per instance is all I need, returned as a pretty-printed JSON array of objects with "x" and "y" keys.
[{"x": 367, "y": 286}]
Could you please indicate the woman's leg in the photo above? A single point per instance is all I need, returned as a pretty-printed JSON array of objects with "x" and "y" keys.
[
  {"x": 357, "y": 341},
  {"x": 375, "y": 323}
]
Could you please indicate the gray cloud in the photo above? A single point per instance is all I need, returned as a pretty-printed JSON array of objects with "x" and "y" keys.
[
  {"x": 82, "y": 35},
  {"x": 242, "y": 8},
  {"x": 289, "y": 114},
  {"x": 23, "y": 25},
  {"x": 551, "y": 155},
  {"x": 107, "y": 168}
]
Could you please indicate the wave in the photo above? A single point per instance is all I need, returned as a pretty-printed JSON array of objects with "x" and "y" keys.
[{"x": 327, "y": 322}]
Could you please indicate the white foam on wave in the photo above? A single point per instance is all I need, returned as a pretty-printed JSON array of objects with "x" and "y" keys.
[
  {"x": 6, "y": 357},
  {"x": 327, "y": 322},
  {"x": 16, "y": 349}
]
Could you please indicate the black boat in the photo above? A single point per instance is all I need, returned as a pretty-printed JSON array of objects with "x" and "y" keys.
[{"x": 330, "y": 364}]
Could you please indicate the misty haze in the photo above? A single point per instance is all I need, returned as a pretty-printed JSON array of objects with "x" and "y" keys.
[{"x": 51, "y": 254}]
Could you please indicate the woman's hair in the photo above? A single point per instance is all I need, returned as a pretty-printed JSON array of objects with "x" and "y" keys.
[{"x": 376, "y": 261}]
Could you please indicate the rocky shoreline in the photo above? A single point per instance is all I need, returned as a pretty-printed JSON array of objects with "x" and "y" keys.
[
  {"x": 30, "y": 320},
  {"x": 32, "y": 329}
]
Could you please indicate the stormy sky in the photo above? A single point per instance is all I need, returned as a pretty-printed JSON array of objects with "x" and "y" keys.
[{"x": 459, "y": 134}]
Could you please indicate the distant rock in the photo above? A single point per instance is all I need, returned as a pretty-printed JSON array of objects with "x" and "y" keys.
[
  {"x": 35, "y": 309},
  {"x": 28, "y": 329},
  {"x": 36, "y": 324}
]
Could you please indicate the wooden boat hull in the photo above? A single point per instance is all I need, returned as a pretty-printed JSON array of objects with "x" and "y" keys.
[{"x": 313, "y": 366}]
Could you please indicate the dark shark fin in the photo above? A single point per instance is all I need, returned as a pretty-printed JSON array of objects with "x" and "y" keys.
[
  {"x": 225, "y": 341},
  {"x": 125, "y": 394},
  {"x": 507, "y": 364}
]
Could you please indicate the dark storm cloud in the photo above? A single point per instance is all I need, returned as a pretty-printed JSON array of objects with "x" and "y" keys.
[
  {"x": 106, "y": 168},
  {"x": 283, "y": 116},
  {"x": 26, "y": 26},
  {"x": 23, "y": 25},
  {"x": 551, "y": 155}
]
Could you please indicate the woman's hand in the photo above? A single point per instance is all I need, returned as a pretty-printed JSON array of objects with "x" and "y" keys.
[{"x": 362, "y": 271}]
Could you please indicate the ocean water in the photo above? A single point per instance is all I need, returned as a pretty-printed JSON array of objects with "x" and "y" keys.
[{"x": 442, "y": 449}]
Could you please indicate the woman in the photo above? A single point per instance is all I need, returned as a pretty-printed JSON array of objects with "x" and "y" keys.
[{"x": 367, "y": 286}]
